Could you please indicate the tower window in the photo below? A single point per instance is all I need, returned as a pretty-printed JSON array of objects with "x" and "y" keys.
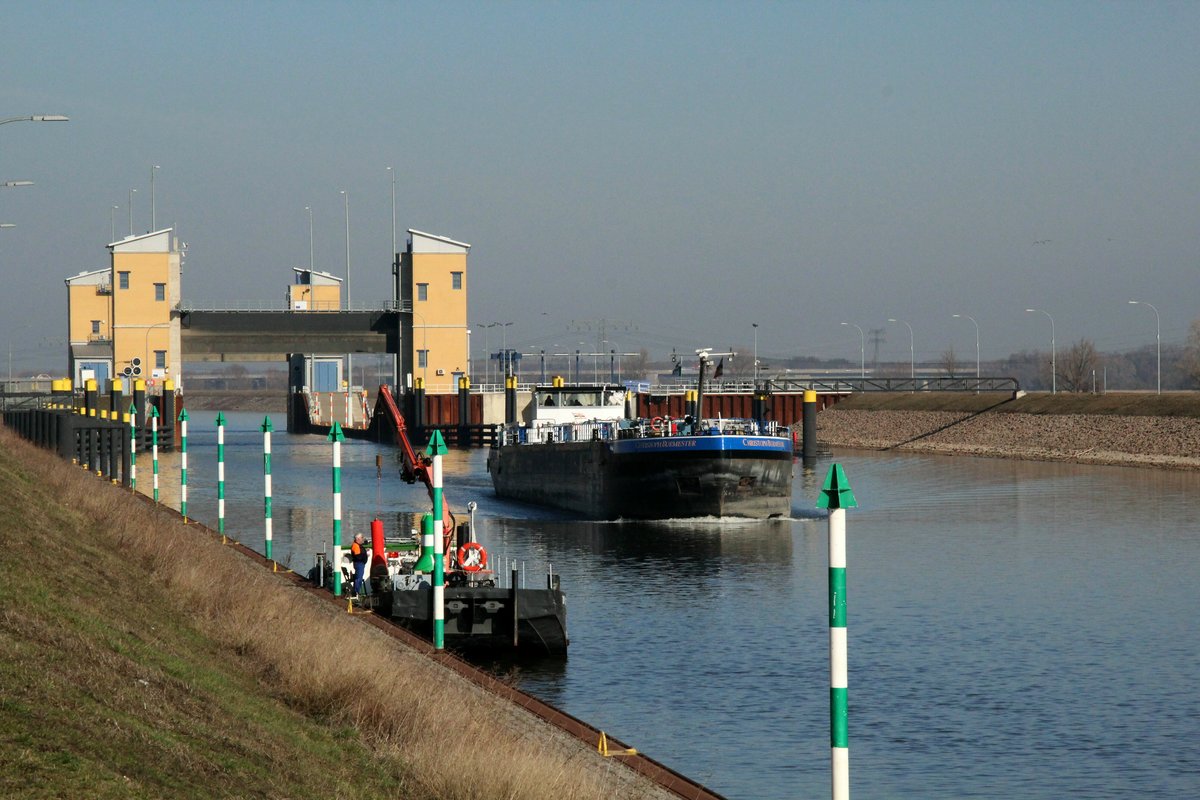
[
  {"x": 160, "y": 292},
  {"x": 422, "y": 291},
  {"x": 455, "y": 280},
  {"x": 123, "y": 280}
]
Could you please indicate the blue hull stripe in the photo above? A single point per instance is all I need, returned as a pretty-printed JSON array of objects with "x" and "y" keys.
[{"x": 710, "y": 444}]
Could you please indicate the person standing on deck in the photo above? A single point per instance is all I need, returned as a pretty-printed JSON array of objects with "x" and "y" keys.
[{"x": 360, "y": 556}]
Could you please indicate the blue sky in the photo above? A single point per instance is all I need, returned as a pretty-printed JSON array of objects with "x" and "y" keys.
[{"x": 682, "y": 170}]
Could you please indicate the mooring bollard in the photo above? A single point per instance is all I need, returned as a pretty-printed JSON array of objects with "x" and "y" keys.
[
  {"x": 809, "y": 415},
  {"x": 510, "y": 400},
  {"x": 837, "y": 497},
  {"x": 437, "y": 449},
  {"x": 220, "y": 473},
  {"x": 337, "y": 437},
  {"x": 154, "y": 446},
  {"x": 266, "y": 430},
  {"x": 183, "y": 418}
]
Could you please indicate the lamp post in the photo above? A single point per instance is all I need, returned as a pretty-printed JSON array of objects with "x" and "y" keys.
[
  {"x": 347, "y": 196},
  {"x": 487, "y": 359},
  {"x": 11, "y": 184},
  {"x": 1053, "y": 350},
  {"x": 504, "y": 346},
  {"x": 349, "y": 357},
  {"x": 968, "y": 316},
  {"x": 112, "y": 223},
  {"x": 1157, "y": 337},
  {"x": 389, "y": 169},
  {"x": 912, "y": 372},
  {"x": 153, "y": 218},
  {"x": 862, "y": 350},
  {"x": 755, "y": 326},
  {"x": 131, "y": 193},
  {"x": 310, "y": 238}
]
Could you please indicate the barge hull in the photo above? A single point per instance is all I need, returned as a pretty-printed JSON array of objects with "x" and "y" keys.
[
  {"x": 649, "y": 478},
  {"x": 481, "y": 618}
]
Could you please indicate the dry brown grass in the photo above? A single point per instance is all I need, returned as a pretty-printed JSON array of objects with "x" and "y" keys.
[
  {"x": 436, "y": 733},
  {"x": 1139, "y": 404}
]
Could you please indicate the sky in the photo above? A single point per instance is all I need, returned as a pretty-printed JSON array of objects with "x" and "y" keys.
[{"x": 659, "y": 175}]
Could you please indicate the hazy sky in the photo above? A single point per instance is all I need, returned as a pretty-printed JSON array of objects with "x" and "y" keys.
[{"x": 682, "y": 170}]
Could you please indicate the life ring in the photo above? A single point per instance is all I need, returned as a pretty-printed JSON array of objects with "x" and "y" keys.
[
  {"x": 472, "y": 557},
  {"x": 656, "y": 424}
]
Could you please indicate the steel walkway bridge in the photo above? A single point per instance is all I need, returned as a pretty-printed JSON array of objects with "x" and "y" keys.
[{"x": 222, "y": 335}]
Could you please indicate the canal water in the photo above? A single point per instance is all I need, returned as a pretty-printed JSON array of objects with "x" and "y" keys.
[{"x": 1016, "y": 629}]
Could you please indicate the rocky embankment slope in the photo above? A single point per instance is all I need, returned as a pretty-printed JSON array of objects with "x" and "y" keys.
[{"x": 1129, "y": 434}]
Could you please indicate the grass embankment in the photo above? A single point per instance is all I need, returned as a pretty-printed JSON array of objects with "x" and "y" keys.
[
  {"x": 141, "y": 658},
  {"x": 1136, "y": 404}
]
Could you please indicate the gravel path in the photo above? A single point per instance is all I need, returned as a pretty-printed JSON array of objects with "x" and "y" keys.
[{"x": 1169, "y": 442}]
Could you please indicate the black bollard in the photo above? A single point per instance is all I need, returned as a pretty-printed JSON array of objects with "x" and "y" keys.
[
  {"x": 464, "y": 410},
  {"x": 510, "y": 400},
  {"x": 91, "y": 398},
  {"x": 418, "y": 400},
  {"x": 166, "y": 433},
  {"x": 810, "y": 427}
]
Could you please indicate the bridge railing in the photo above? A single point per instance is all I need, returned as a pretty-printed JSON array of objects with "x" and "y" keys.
[{"x": 917, "y": 384}]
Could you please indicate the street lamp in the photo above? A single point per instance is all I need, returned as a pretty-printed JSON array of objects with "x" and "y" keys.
[
  {"x": 112, "y": 223},
  {"x": 11, "y": 184},
  {"x": 153, "y": 218},
  {"x": 912, "y": 372},
  {"x": 755, "y": 326},
  {"x": 968, "y": 316},
  {"x": 310, "y": 239},
  {"x": 1157, "y": 336},
  {"x": 505, "y": 363},
  {"x": 862, "y": 350},
  {"x": 131, "y": 193},
  {"x": 487, "y": 357},
  {"x": 37, "y": 118},
  {"x": 1053, "y": 350},
  {"x": 350, "y": 357},
  {"x": 389, "y": 169},
  {"x": 347, "y": 196}
]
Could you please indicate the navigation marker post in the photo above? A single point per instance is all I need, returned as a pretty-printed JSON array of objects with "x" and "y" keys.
[
  {"x": 266, "y": 429},
  {"x": 437, "y": 449},
  {"x": 132, "y": 447},
  {"x": 183, "y": 418},
  {"x": 337, "y": 437},
  {"x": 221, "y": 474},
  {"x": 154, "y": 446},
  {"x": 837, "y": 497}
]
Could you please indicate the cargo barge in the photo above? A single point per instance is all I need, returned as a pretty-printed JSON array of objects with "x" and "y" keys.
[{"x": 582, "y": 453}]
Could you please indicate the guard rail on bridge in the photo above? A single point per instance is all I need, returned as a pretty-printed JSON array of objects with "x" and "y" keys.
[{"x": 847, "y": 385}]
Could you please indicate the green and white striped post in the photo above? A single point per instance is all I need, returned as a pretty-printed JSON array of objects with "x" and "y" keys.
[
  {"x": 183, "y": 418},
  {"x": 266, "y": 429},
  {"x": 837, "y": 497},
  {"x": 437, "y": 449},
  {"x": 132, "y": 447},
  {"x": 425, "y": 561},
  {"x": 220, "y": 473},
  {"x": 337, "y": 437},
  {"x": 154, "y": 446}
]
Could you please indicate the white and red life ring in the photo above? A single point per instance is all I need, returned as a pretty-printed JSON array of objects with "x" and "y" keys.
[{"x": 472, "y": 557}]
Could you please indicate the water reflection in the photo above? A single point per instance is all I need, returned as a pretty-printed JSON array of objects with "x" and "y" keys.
[{"x": 1017, "y": 629}]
